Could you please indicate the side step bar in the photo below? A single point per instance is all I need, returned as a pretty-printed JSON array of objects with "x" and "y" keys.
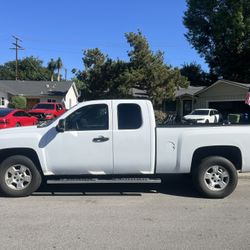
[{"x": 103, "y": 181}]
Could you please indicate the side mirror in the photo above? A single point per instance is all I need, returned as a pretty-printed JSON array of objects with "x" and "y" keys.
[{"x": 61, "y": 126}]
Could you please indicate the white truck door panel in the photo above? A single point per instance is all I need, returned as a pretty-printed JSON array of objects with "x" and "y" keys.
[
  {"x": 86, "y": 145},
  {"x": 133, "y": 138}
]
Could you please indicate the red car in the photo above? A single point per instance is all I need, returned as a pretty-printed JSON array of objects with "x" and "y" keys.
[
  {"x": 15, "y": 118},
  {"x": 47, "y": 110}
]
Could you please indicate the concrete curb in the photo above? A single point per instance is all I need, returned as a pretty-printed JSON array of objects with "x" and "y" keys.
[{"x": 244, "y": 175}]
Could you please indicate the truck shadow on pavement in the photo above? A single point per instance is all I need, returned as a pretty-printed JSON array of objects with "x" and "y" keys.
[{"x": 176, "y": 185}]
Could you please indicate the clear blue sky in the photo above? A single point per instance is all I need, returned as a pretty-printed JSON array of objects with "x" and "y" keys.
[{"x": 53, "y": 28}]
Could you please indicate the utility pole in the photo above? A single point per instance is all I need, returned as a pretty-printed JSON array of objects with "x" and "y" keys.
[
  {"x": 65, "y": 71},
  {"x": 17, "y": 48}
]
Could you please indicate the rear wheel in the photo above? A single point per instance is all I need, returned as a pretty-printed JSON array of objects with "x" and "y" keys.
[
  {"x": 215, "y": 177},
  {"x": 18, "y": 124},
  {"x": 19, "y": 176}
]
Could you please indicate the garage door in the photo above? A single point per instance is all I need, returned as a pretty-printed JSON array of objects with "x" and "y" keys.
[{"x": 226, "y": 108}]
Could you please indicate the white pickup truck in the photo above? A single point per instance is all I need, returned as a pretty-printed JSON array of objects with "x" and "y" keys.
[{"x": 116, "y": 141}]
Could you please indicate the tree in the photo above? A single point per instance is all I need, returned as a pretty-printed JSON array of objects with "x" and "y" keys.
[
  {"x": 220, "y": 31},
  {"x": 59, "y": 65},
  {"x": 18, "y": 102},
  {"x": 104, "y": 77},
  {"x": 29, "y": 68},
  {"x": 52, "y": 67},
  {"x": 195, "y": 75},
  {"x": 148, "y": 71}
]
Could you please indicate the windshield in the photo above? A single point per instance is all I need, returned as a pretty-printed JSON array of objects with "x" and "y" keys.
[
  {"x": 44, "y": 106},
  {"x": 200, "y": 112},
  {"x": 4, "y": 112}
]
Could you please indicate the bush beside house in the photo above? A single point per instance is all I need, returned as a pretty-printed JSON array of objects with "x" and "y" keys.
[{"x": 18, "y": 102}]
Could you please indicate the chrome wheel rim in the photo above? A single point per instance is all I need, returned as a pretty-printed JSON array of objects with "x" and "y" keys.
[
  {"x": 18, "y": 177},
  {"x": 216, "y": 178}
]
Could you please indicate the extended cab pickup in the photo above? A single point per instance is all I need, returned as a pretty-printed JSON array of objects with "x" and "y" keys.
[{"x": 116, "y": 141}]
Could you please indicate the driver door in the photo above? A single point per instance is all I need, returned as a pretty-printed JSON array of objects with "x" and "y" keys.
[{"x": 85, "y": 147}]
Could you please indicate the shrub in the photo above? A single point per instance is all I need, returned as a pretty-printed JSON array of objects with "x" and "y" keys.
[
  {"x": 160, "y": 116},
  {"x": 18, "y": 102}
]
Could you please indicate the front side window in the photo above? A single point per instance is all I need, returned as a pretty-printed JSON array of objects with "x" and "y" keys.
[
  {"x": 91, "y": 117},
  {"x": 129, "y": 116}
]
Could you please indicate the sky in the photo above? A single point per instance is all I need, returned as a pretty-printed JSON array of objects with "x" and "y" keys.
[{"x": 64, "y": 28}]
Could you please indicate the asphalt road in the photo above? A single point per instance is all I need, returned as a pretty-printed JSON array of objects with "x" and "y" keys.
[{"x": 170, "y": 216}]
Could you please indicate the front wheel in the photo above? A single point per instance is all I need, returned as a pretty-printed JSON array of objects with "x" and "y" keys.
[
  {"x": 19, "y": 176},
  {"x": 215, "y": 177}
]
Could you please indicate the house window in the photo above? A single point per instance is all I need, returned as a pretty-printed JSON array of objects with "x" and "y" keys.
[{"x": 2, "y": 101}]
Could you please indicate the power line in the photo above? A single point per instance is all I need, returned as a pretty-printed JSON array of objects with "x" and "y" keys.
[
  {"x": 35, "y": 68},
  {"x": 17, "y": 48}
]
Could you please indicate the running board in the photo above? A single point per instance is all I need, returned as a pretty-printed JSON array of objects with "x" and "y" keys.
[{"x": 103, "y": 181}]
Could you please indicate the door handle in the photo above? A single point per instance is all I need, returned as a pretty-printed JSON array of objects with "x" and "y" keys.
[{"x": 100, "y": 139}]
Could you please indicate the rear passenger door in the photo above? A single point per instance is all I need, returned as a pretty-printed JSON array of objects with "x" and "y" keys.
[{"x": 133, "y": 133}]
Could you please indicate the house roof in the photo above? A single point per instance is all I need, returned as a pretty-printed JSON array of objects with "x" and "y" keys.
[
  {"x": 35, "y": 88},
  {"x": 190, "y": 90},
  {"x": 237, "y": 84}
]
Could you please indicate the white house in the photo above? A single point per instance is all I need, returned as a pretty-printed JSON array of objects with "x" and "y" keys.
[{"x": 39, "y": 91}]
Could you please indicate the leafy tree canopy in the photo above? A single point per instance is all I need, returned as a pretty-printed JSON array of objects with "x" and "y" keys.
[
  {"x": 220, "y": 31},
  {"x": 104, "y": 77},
  {"x": 195, "y": 75},
  {"x": 29, "y": 68}
]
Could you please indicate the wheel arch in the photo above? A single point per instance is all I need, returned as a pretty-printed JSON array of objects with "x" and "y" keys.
[
  {"x": 28, "y": 152},
  {"x": 232, "y": 153}
]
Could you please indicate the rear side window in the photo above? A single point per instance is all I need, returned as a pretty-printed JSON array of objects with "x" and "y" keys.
[{"x": 129, "y": 116}]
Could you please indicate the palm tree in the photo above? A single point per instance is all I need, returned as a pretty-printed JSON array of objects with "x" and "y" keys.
[
  {"x": 59, "y": 66},
  {"x": 52, "y": 67}
]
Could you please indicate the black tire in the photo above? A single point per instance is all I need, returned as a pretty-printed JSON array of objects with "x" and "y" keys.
[
  {"x": 12, "y": 174},
  {"x": 207, "y": 121},
  {"x": 18, "y": 125},
  {"x": 212, "y": 185}
]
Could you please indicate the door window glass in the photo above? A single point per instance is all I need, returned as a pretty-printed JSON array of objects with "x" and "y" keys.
[
  {"x": 91, "y": 117},
  {"x": 129, "y": 116}
]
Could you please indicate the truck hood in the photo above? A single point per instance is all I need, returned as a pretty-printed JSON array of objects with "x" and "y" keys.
[
  {"x": 20, "y": 130},
  {"x": 195, "y": 117}
]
